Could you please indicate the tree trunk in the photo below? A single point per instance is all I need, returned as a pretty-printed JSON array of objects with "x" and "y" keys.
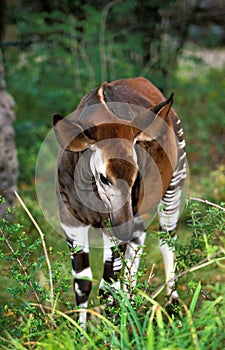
[{"x": 8, "y": 154}]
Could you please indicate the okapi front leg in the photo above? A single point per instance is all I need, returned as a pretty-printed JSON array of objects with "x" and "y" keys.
[
  {"x": 80, "y": 267},
  {"x": 112, "y": 267},
  {"x": 82, "y": 277}
]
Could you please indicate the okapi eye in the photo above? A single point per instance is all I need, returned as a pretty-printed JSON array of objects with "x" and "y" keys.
[{"x": 104, "y": 180}]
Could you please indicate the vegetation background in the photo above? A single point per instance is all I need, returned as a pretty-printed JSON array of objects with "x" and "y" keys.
[{"x": 56, "y": 51}]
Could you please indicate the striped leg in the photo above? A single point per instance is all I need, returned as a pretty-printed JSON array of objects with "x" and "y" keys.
[
  {"x": 112, "y": 267},
  {"x": 133, "y": 254},
  {"x": 168, "y": 259},
  {"x": 77, "y": 239},
  {"x": 168, "y": 211}
]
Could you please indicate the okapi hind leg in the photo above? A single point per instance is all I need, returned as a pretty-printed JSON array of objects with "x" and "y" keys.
[
  {"x": 168, "y": 211},
  {"x": 167, "y": 251}
]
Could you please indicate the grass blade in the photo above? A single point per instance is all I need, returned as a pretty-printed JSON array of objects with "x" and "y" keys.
[
  {"x": 150, "y": 331},
  {"x": 124, "y": 337},
  {"x": 194, "y": 335},
  {"x": 195, "y": 298}
]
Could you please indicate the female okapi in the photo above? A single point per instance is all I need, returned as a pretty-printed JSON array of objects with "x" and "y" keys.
[{"x": 122, "y": 154}]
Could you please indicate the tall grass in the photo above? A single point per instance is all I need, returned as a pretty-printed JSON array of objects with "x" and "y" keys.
[
  {"x": 196, "y": 328},
  {"x": 140, "y": 322}
]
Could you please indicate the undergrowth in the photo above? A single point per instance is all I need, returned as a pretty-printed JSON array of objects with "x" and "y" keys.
[{"x": 33, "y": 318}]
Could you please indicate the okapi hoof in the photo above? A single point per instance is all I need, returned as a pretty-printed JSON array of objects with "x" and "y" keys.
[
  {"x": 173, "y": 308},
  {"x": 108, "y": 301}
]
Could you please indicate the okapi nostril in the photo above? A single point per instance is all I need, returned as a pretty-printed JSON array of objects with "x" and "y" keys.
[{"x": 122, "y": 155}]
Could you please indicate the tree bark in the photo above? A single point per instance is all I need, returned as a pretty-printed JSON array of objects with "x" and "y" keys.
[{"x": 8, "y": 154}]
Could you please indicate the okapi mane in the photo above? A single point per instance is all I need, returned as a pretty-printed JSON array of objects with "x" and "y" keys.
[
  {"x": 123, "y": 93},
  {"x": 131, "y": 95},
  {"x": 90, "y": 99}
]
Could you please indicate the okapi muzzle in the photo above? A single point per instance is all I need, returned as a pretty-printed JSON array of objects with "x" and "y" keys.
[
  {"x": 121, "y": 214},
  {"x": 122, "y": 155},
  {"x": 122, "y": 222}
]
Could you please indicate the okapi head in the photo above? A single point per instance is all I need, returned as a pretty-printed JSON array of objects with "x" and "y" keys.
[{"x": 113, "y": 161}]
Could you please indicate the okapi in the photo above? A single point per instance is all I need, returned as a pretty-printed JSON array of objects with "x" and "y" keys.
[{"x": 122, "y": 154}]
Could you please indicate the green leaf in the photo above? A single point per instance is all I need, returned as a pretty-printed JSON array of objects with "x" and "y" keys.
[{"x": 195, "y": 298}]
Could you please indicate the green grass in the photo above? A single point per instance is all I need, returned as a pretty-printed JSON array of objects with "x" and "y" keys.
[
  {"x": 198, "y": 326},
  {"x": 142, "y": 324}
]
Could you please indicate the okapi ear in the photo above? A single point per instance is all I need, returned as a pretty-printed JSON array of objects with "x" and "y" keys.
[
  {"x": 162, "y": 109},
  {"x": 73, "y": 136},
  {"x": 151, "y": 122}
]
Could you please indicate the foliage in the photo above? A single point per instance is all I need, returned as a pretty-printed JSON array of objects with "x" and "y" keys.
[
  {"x": 67, "y": 55},
  {"x": 199, "y": 102},
  {"x": 214, "y": 184},
  {"x": 206, "y": 239},
  {"x": 26, "y": 279},
  {"x": 135, "y": 322},
  {"x": 54, "y": 72}
]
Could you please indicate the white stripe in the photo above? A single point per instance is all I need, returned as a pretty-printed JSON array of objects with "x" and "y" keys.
[
  {"x": 181, "y": 144},
  {"x": 117, "y": 264},
  {"x": 180, "y": 132},
  {"x": 83, "y": 315},
  {"x": 85, "y": 274},
  {"x": 168, "y": 218},
  {"x": 78, "y": 290},
  {"x": 182, "y": 156},
  {"x": 114, "y": 284},
  {"x": 168, "y": 258},
  {"x": 77, "y": 234}
]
